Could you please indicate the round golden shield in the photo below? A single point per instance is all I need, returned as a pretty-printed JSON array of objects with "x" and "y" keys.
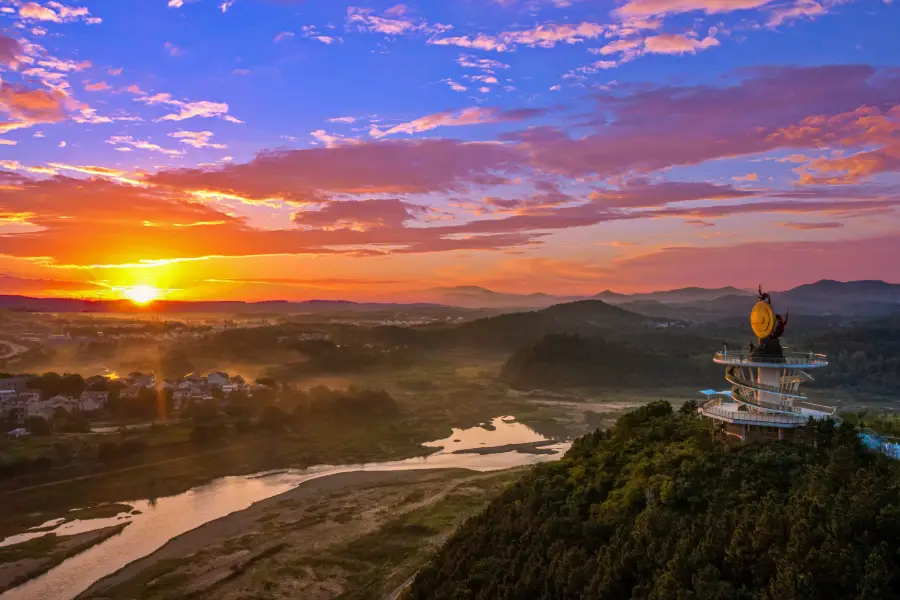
[{"x": 762, "y": 319}]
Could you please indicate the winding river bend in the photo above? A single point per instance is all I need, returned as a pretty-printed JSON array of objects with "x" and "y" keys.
[{"x": 159, "y": 521}]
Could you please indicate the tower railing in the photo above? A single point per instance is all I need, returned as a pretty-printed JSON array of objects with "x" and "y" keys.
[
  {"x": 785, "y": 389},
  {"x": 789, "y": 359},
  {"x": 830, "y": 410},
  {"x": 752, "y": 417}
]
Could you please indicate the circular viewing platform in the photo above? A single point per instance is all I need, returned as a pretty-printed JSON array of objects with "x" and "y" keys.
[{"x": 793, "y": 360}]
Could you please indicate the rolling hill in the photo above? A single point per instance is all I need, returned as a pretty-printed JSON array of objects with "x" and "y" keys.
[
  {"x": 511, "y": 330},
  {"x": 656, "y": 509}
]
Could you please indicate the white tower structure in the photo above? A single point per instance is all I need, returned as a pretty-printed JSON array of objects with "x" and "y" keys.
[{"x": 765, "y": 401}]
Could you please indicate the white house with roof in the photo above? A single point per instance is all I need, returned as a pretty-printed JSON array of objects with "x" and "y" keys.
[
  {"x": 47, "y": 408},
  {"x": 30, "y": 396},
  {"x": 16, "y": 383},
  {"x": 9, "y": 401},
  {"x": 217, "y": 379},
  {"x": 92, "y": 400},
  {"x": 132, "y": 391},
  {"x": 142, "y": 379}
]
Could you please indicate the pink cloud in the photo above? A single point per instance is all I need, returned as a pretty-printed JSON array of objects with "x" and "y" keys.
[
  {"x": 648, "y": 8},
  {"x": 384, "y": 167},
  {"x": 10, "y": 50},
  {"x": 801, "y": 225},
  {"x": 802, "y": 9},
  {"x": 639, "y": 194},
  {"x": 646, "y": 129},
  {"x": 394, "y": 22},
  {"x": 848, "y": 259},
  {"x": 100, "y": 86},
  {"x": 672, "y": 43},
  {"x": 452, "y": 118},
  {"x": 547, "y": 35},
  {"x": 359, "y": 215}
]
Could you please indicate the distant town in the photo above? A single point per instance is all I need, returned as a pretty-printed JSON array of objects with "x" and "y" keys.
[{"x": 24, "y": 397}]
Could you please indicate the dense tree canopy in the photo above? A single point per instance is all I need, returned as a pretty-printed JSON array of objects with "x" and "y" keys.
[
  {"x": 865, "y": 356},
  {"x": 563, "y": 359},
  {"x": 655, "y": 509}
]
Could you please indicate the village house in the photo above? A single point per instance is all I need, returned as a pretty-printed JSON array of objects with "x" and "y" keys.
[
  {"x": 42, "y": 410},
  {"x": 14, "y": 407},
  {"x": 96, "y": 382},
  {"x": 217, "y": 379},
  {"x": 131, "y": 391},
  {"x": 92, "y": 400},
  {"x": 46, "y": 409},
  {"x": 16, "y": 383},
  {"x": 29, "y": 396},
  {"x": 142, "y": 379}
]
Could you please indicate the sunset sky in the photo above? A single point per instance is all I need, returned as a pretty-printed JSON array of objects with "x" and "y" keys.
[{"x": 367, "y": 150}]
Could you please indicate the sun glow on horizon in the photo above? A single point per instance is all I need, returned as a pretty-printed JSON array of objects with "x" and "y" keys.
[{"x": 142, "y": 294}]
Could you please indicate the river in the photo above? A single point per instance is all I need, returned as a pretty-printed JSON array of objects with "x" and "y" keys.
[{"x": 156, "y": 522}]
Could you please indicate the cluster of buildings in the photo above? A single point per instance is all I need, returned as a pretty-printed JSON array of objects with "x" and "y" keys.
[
  {"x": 195, "y": 387},
  {"x": 18, "y": 402}
]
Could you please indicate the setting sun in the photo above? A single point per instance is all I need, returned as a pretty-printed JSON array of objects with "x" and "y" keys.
[{"x": 142, "y": 294}]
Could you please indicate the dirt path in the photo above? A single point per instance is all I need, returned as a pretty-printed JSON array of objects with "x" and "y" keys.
[{"x": 13, "y": 349}]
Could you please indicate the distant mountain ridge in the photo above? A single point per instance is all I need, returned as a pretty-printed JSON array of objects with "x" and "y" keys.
[
  {"x": 825, "y": 297},
  {"x": 69, "y": 305},
  {"x": 471, "y": 296},
  {"x": 678, "y": 296}
]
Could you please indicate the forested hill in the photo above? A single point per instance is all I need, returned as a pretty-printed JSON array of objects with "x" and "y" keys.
[
  {"x": 655, "y": 509},
  {"x": 562, "y": 359},
  {"x": 514, "y": 329}
]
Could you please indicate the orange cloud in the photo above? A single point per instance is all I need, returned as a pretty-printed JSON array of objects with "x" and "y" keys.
[
  {"x": 45, "y": 287},
  {"x": 30, "y": 107},
  {"x": 747, "y": 177},
  {"x": 865, "y": 126}
]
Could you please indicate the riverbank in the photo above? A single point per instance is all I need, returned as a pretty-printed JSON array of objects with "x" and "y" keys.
[
  {"x": 21, "y": 562},
  {"x": 359, "y": 534},
  {"x": 156, "y": 521}
]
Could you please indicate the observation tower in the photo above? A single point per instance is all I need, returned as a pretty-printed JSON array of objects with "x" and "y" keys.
[{"x": 765, "y": 401}]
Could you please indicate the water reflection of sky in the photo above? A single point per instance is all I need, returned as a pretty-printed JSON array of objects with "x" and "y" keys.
[
  {"x": 167, "y": 517},
  {"x": 506, "y": 431}
]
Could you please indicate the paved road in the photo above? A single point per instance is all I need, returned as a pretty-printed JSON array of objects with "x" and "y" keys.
[{"x": 12, "y": 349}]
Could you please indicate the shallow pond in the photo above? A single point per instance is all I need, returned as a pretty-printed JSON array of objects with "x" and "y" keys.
[{"x": 160, "y": 520}]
